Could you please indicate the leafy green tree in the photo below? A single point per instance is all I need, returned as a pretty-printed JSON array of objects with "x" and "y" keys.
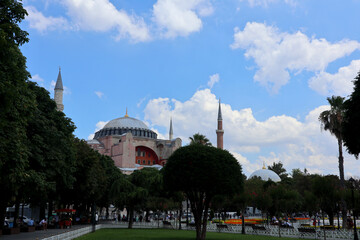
[
  {"x": 332, "y": 120},
  {"x": 16, "y": 103},
  {"x": 351, "y": 126},
  {"x": 279, "y": 169},
  {"x": 90, "y": 178},
  {"x": 328, "y": 194},
  {"x": 202, "y": 172},
  {"x": 284, "y": 201},
  {"x": 52, "y": 153},
  {"x": 198, "y": 138},
  {"x": 112, "y": 174},
  {"x": 133, "y": 191}
]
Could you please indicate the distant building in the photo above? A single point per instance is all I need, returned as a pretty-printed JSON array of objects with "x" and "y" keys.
[{"x": 132, "y": 145}]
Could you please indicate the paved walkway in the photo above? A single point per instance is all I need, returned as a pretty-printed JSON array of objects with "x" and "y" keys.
[{"x": 40, "y": 234}]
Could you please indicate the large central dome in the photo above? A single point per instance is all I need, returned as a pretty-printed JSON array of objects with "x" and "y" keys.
[
  {"x": 126, "y": 122},
  {"x": 123, "y": 125}
]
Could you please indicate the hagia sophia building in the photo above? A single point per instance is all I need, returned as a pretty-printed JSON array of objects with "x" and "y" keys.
[
  {"x": 132, "y": 145},
  {"x": 130, "y": 142}
]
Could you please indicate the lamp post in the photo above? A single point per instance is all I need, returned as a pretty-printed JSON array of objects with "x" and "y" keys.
[{"x": 352, "y": 185}]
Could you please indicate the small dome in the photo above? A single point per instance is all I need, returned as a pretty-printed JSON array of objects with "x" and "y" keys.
[
  {"x": 266, "y": 174},
  {"x": 126, "y": 122}
]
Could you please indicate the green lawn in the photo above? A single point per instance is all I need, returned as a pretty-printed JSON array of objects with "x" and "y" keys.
[{"x": 156, "y": 234}]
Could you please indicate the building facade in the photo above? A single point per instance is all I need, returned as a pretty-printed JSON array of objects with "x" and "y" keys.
[{"x": 132, "y": 145}]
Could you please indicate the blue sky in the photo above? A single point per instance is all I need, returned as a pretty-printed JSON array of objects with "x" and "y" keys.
[{"x": 273, "y": 63}]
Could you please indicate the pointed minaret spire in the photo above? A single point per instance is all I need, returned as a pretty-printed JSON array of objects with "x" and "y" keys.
[
  {"x": 171, "y": 130},
  {"x": 58, "y": 92},
  {"x": 126, "y": 115},
  {"x": 219, "y": 111},
  {"x": 220, "y": 131}
]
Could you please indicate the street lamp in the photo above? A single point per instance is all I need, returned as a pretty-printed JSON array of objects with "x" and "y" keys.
[{"x": 352, "y": 185}]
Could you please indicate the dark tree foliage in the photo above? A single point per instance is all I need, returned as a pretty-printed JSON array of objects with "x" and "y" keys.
[
  {"x": 16, "y": 103},
  {"x": 133, "y": 191},
  {"x": 351, "y": 126},
  {"x": 333, "y": 121},
  {"x": 279, "y": 169},
  {"x": 328, "y": 193},
  {"x": 202, "y": 172},
  {"x": 91, "y": 179},
  {"x": 51, "y": 158},
  {"x": 199, "y": 139}
]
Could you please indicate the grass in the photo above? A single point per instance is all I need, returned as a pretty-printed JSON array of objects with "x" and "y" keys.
[{"x": 158, "y": 234}]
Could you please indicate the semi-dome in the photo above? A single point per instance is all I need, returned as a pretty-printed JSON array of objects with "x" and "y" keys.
[
  {"x": 126, "y": 122},
  {"x": 266, "y": 174},
  {"x": 123, "y": 125}
]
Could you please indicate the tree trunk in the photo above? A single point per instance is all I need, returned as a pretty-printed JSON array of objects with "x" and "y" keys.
[
  {"x": 242, "y": 222},
  {"x": 180, "y": 214},
  {"x": 331, "y": 218},
  {"x": 342, "y": 183},
  {"x": 2, "y": 213},
  {"x": 50, "y": 209},
  {"x": 324, "y": 225},
  {"x": 204, "y": 223},
  {"x": 131, "y": 217},
  {"x": 16, "y": 213},
  {"x": 42, "y": 211}
]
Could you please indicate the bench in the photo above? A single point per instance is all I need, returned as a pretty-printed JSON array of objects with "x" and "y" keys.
[
  {"x": 328, "y": 227},
  {"x": 286, "y": 226},
  {"x": 221, "y": 227},
  {"x": 256, "y": 228},
  {"x": 306, "y": 231}
]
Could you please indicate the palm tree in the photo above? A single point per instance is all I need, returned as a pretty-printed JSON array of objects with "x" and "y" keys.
[
  {"x": 198, "y": 138},
  {"x": 332, "y": 121}
]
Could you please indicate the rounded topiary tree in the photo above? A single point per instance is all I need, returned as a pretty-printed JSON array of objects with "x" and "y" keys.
[{"x": 202, "y": 172}]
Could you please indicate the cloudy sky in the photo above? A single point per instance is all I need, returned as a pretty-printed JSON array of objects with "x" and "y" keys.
[{"x": 272, "y": 63}]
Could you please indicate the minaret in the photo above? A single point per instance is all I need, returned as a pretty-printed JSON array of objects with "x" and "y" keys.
[
  {"x": 58, "y": 95},
  {"x": 220, "y": 131},
  {"x": 171, "y": 130}
]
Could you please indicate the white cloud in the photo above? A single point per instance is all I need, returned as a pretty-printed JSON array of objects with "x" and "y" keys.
[
  {"x": 141, "y": 101},
  {"x": 180, "y": 17},
  {"x": 213, "y": 79},
  {"x": 170, "y": 18},
  {"x": 266, "y": 3},
  {"x": 93, "y": 15},
  {"x": 298, "y": 144},
  {"x": 41, "y": 23},
  {"x": 99, "y": 94},
  {"x": 99, "y": 125},
  {"x": 37, "y": 78},
  {"x": 340, "y": 83},
  {"x": 277, "y": 54},
  {"x": 102, "y": 16}
]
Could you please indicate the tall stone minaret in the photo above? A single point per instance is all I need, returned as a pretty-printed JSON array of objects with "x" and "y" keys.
[
  {"x": 58, "y": 95},
  {"x": 171, "y": 130},
  {"x": 220, "y": 131}
]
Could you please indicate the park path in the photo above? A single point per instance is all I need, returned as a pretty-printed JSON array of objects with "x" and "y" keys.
[{"x": 40, "y": 234}]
